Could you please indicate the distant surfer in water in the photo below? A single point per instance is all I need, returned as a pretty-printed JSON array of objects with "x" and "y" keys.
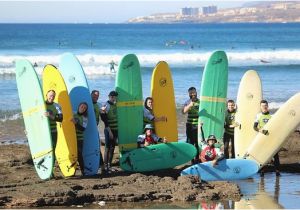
[
  {"x": 112, "y": 66},
  {"x": 264, "y": 61}
]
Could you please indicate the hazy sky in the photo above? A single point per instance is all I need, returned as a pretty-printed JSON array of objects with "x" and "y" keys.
[{"x": 96, "y": 11}]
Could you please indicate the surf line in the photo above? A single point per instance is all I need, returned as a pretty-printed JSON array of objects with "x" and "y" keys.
[
  {"x": 129, "y": 103},
  {"x": 212, "y": 99},
  {"x": 41, "y": 154}
]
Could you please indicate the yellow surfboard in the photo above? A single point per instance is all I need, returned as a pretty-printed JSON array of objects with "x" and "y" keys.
[
  {"x": 162, "y": 92},
  {"x": 280, "y": 126},
  {"x": 66, "y": 148},
  {"x": 248, "y": 105}
]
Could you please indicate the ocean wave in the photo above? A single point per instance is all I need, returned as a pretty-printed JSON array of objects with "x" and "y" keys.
[
  {"x": 10, "y": 115},
  {"x": 98, "y": 63},
  {"x": 275, "y": 105}
]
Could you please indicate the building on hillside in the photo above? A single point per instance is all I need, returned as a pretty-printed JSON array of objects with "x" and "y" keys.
[
  {"x": 189, "y": 11},
  {"x": 209, "y": 10}
]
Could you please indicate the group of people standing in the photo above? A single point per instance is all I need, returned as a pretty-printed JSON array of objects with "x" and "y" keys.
[
  {"x": 107, "y": 112},
  {"x": 209, "y": 152}
]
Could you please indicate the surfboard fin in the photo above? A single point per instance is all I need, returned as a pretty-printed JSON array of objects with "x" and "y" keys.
[
  {"x": 40, "y": 164},
  {"x": 128, "y": 162},
  {"x": 71, "y": 166}
]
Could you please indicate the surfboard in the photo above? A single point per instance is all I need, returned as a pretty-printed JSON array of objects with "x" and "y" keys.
[
  {"x": 248, "y": 106},
  {"x": 162, "y": 92},
  {"x": 36, "y": 124},
  {"x": 227, "y": 169},
  {"x": 78, "y": 90},
  {"x": 158, "y": 156},
  {"x": 130, "y": 102},
  {"x": 280, "y": 126},
  {"x": 213, "y": 95},
  {"x": 66, "y": 147}
]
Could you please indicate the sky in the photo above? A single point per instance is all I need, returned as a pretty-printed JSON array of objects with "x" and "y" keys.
[{"x": 94, "y": 11}]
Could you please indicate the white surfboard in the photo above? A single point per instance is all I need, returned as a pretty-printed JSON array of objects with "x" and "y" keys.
[
  {"x": 280, "y": 126},
  {"x": 248, "y": 105}
]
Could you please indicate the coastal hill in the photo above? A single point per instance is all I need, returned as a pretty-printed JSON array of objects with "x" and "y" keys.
[{"x": 253, "y": 12}]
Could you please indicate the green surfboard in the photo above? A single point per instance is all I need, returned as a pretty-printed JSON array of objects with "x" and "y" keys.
[
  {"x": 36, "y": 124},
  {"x": 130, "y": 102},
  {"x": 213, "y": 96},
  {"x": 158, "y": 156}
]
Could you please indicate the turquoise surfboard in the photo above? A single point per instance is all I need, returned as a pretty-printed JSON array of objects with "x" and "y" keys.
[
  {"x": 78, "y": 90},
  {"x": 158, "y": 156},
  {"x": 228, "y": 169},
  {"x": 36, "y": 124},
  {"x": 130, "y": 102},
  {"x": 213, "y": 96}
]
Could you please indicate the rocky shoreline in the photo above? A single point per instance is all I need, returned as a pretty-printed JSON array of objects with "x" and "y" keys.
[{"x": 21, "y": 187}]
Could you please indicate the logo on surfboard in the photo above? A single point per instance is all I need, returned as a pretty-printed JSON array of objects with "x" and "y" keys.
[{"x": 163, "y": 82}]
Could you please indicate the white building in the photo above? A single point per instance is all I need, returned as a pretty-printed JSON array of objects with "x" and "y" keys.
[
  {"x": 209, "y": 10},
  {"x": 189, "y": 11}
]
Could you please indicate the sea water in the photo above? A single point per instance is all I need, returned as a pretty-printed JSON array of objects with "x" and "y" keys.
[{"x": 271, "y": 49}]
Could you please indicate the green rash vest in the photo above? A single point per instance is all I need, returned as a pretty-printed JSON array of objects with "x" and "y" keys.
[
  {"x": 112, "y": 119},
  {"x": 55, "y": 110},
  {"x": 97, "y": 112},
  {"x": 193, "y": 113},
  {"x": 81, "y": 122},
  {"x": 262, "y": 119},
  {"x": 229, "y": 120}
]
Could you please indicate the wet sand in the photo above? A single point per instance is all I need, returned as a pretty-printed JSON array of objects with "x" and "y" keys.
[{"x": 21, "y": 187}]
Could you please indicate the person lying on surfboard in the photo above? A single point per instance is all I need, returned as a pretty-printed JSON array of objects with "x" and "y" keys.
[
  {"x": 149, "y": 117},
  {"x": 149, "y": 138},
  {"x": 210, "y": 152}
]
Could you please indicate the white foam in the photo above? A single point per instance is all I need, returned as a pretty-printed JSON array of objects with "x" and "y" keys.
[
  {"x": 275, "y": 105},
  {"x": 98, "y": 63},
  {"x": 11, "y": 117}
]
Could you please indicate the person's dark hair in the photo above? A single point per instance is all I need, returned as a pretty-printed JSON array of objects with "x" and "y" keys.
[
  {"x": 146, "y": 100},
  {"x": 86, "y": 111},
  {"x": 230, "y": 101},
  {"x": 113, "y": 93},
  {"x": 51, "y": 90},
  {"x": 191, "y": 88},
  {"x": 95, "y": 91},
  {"x": 264, "y": 102}
]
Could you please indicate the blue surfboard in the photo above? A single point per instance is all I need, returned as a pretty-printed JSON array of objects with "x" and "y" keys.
[
  {"x": 230, "y": 169},
  {"x": 78, "y": 90}
]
